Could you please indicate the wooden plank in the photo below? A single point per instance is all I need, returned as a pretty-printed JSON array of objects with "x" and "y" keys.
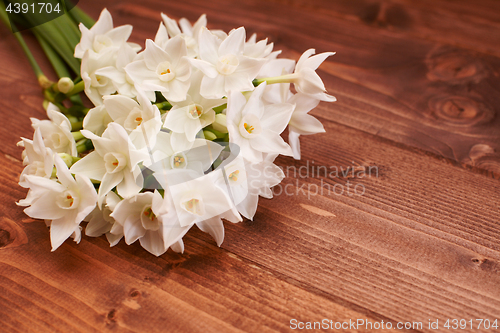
[
  {"x": 92, "y": 287},
  {"x": 458, "y": 23},
  {"x": 421, "y": 243}
]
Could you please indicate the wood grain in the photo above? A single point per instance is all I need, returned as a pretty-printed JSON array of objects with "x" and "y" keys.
[
  {"x": 417, "y": 86},
  {"x": 401, "y": 227}
]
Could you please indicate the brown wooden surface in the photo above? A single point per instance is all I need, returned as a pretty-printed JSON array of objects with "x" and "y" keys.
[{"x": 418, "y": 88}]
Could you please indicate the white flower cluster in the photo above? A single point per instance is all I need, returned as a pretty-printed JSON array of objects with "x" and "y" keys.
[{"x": 183, "y": 133}]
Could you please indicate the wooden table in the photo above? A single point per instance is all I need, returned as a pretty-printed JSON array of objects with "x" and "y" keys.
[{"x": 418, "y": 88}]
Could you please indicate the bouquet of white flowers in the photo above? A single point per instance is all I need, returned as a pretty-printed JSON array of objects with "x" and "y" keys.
[{"x": 182, "y": 133}]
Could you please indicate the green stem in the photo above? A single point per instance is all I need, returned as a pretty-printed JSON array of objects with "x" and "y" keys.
[
  {"x": 66, "y": 27},
  {"x": 34, "y": 64},
  {"x": 73, "y": 26},
  {"x": 49, "y": 96},
  {"x": 54, "y": 34},
  {"x": 69, "y": 159},
  {"x": 77, "y": 125},
  {"x": 288, "y": 78},
  {"x": 61, "y": 107},
  {"x": 77, "y": 110},
  {"x": 78, "y": 88},
  {"x": 163, "y": 105},
  {"x": 84, "y": 145},
  {"x": 77, "y": 136},
  {"x": 54, "y": 58},
  {"x": 220, "y": 108},
  {"x": 79, "y": 16},
  {"x": 54, "y": 37}
]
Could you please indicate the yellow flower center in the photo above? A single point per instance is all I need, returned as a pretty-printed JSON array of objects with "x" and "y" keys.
[
  {"x": 149, "y": 213},
  {"x": 178, "y": 160},
  {"x": 70, "y": 200},
  {"x": 234, "y": 175},
  {"x": 248, "y": 128},
  {"x": 195, "y": 111},
  {"x": 190, "y": 204}
]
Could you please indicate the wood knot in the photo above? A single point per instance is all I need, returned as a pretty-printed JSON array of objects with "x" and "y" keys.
[
  {"x": 480, "y": 150},
  {"x": 11, "y": 235},
  {"x": 484, "y": 157},
  {"x": 5, "y": 238},
  {"x": 460, "y": 110},
  {"x": 369, "y": 13},
  {"x": 112, "y": 315},
  {"x": 385, "y": 15},
  {"x": 487, "y": 264},
  {"x": 454, "y": 66}
]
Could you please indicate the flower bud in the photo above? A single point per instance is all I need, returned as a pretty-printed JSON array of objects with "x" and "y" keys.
[
  {"x": 67, "y": 158},
  {"x": 209, "y": 135},
  {"x": 65, "y": 85},
  {"x": 220, "y": 123}
]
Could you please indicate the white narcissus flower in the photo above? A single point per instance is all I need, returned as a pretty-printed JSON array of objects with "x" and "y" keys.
[
  {"x": 39, "y": 159},
  {"x": 278, "y": 92},
  {"x": 164, "y": 70},
  {"x": 96, "y": 120},
  {"x": 224, "y": 65},
  {"x": 247, "y": 181},
  {"x": 198, "y": 155},
  {"x": 123, "y": 84},
  {"x": 189, "y": 33},
  {"x": 102, "y": 36},
  {"x": 66, "y": 202},
  {"x": 161, "y": 37},
  {"x": 256, "y": 127},
  {"x": 96, "y": 85},
  {"x": 306, "y": 80},
  {"x": 141, "y": 119},
  {"x": 261, "y": 177},
  {"x": 56, "y": 132},
  {"x": 100, "y": 222},
  {"x": 302, "y": 123},
  {"x": 258, "y": 49},
  {"x": 149, "y": 218},
  {"x": 114, "y": 162},
  {"x": 199, "y": 201},
  {"x": 196, "y": 112}
]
